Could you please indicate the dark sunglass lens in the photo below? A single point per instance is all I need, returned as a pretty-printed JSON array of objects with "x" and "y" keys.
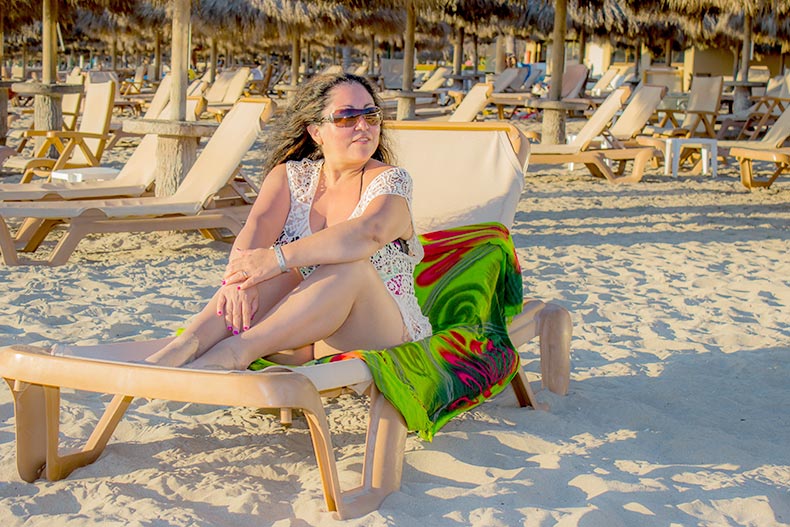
[{"x": 350, "y": 117}]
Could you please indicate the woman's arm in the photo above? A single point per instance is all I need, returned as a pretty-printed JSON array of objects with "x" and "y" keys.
[
  {"x": 268, "y": 214},
  {"x": 385, "y": 219}
]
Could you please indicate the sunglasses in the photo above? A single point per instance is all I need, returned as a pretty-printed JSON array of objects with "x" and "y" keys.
[{"x": 349, "y": 117}]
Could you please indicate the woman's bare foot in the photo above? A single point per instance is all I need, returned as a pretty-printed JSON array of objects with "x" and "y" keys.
[{"x": 180, "y": 351}]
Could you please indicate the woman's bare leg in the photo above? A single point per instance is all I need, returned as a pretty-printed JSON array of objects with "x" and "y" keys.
[
  {"x": 208, "y": 328},
  {"x": 346, "y": 305}
]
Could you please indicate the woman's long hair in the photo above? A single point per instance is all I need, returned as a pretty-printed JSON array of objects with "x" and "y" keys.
[{"x": 289, "y": 139}]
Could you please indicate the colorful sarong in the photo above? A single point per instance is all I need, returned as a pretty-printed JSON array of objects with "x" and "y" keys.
[{"x": 469, "y": 286}]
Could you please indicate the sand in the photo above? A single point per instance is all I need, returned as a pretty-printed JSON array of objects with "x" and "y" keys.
[{"x": 679, "y": 291}]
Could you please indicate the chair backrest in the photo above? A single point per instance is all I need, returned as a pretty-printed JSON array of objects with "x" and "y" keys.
[
  {"x": 17, "y": 72},
  {"x": 473, "y": 103},
  {"x": 216, "y": 92},
  {"x": 463, "y": 173},
  {"x": 602, "y": 116},
  {"x": 638, "y": 111},
  {"x": 537, "y": 72},
  {"x": 197, "y": 87},
  {"x": 504, "y": 79},
  {"x": 160, "y": 99},
  {"x": 778, "y": 133},
  {"x": 704, "y": 96},
  {"x": 140, "y": 169},
  {"x": 573, "y": 80},
  {"x": 224, "y": 151},
  {"x": 151, "y": 73},
  {"x": 623, "y": 74},
  {"x": 391, "y": 73},
  {"x": 236, "y": 85},
  {"x": 672, "y": 78},
  {"x": 71, "y": 103},
  {"x": 139, "y": 75},
  {"x": 437, "y": 79},
  {"x": 96, "y": 114},
  {"x": 520, "y": 80},
  {"x": 195, "y": 106},
  {"x": 604, "y": 82}
]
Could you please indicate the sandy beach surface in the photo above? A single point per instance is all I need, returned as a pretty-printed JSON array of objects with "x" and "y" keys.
[{"x": 677, "y": 413}]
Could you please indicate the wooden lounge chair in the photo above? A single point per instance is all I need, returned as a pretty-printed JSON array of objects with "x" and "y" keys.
[
  {"x": 134, "y": 179},
  {"x": 70, "y": 108},
  {"x": 198, "y": 203},
  {"x": 429, "y": 93},
  {"x": 752, "y": 122},
  {"x": 636, "y": 114},
  {"x": 573, "y": 81},
  {"x": 482, "y": 156},
  {"x": 579, "y": 151},
  {"x": 81, "y": 148},
  {"x": 769, "y": 148},
  {"x": 698, "y": 122},
  {"x": 120, "y": 102},
  {"x": 135, "y": 85},
  {"x": 233, "y": 92},
  {"x": 472, "y": 103},
  {"x": 746, "y": 157}
]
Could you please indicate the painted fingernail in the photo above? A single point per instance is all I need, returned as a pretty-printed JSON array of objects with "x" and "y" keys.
[
  {"x": 245, "y": 328},
  {"x": 238, "y": 287},
  {"x": 235, "y": 331},
  {"x": 224, "y": 282},
  {"x": 219, "y": 313},
  {"x": 230, "y": 328}
]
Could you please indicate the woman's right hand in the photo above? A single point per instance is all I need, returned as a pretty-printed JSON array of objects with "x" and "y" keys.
[{"x": 238, "y": 306}]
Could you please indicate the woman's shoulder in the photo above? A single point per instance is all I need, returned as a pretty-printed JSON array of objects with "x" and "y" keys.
[
  {"x": 390, "y": 179},
  {"x": 389, "y": 171}
]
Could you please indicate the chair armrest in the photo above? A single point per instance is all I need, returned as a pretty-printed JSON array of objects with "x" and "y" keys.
[{"x": 64, "y": 134}]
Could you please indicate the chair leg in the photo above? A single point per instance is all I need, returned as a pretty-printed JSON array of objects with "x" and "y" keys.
[
  {"x": 382, "y": 469},
  {"x": 31, "y": 429},
  {"x": 8, "y": 252},
  {"x": 555, "y": 328},
  {"x": 37, "y": 415}
]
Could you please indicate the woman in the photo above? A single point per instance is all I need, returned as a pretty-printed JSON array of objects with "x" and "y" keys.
[{"x": 325, "y": 261}]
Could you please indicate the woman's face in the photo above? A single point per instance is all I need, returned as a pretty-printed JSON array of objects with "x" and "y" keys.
[{"x": 358, "y": 140}]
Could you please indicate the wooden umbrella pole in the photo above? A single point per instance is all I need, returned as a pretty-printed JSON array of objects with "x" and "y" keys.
[
  {"x": 406, "y": 104},
  {"x": 179, "y": 56},
  {"x": 747, "y": 45},
  {"x": 553, "y": 129},
  {"x": 49, "y": 12}
]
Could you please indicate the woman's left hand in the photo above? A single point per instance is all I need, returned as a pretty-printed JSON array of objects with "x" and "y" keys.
[{"x": 248, "y": 267}]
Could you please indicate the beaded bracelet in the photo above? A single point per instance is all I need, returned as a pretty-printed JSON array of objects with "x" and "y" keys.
[{"x": 278, "y": 253}]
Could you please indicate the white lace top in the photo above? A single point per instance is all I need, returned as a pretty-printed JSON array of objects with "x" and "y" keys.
[{"x": 394, "y": 262}]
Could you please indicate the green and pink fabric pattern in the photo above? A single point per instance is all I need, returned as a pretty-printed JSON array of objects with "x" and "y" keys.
[{"x": 469, "y": 286}]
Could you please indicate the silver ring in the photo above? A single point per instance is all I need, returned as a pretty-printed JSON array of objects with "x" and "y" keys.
[{"x": 244, "y": 274}]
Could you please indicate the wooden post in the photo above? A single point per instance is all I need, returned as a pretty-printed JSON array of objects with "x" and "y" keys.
[
  {"x": 475, "y": 54},
  {"x": 406, "y": 104},
  {"x": 553, "y": 131},
  {"x": 48, "y": 42},
  {"x": 179, "y": 58},
  {"x": 668, "y": 52},
  {"x": 458, "y": 56},
  {"x": 2, "y": 47},
  {"x": 174, "y": 154},
  {"x": 372, "y": 55},
  {"x": 212, "y": 69},
  {"x": 158, "y": 56},
  {"x": 747, "y": 46}
]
